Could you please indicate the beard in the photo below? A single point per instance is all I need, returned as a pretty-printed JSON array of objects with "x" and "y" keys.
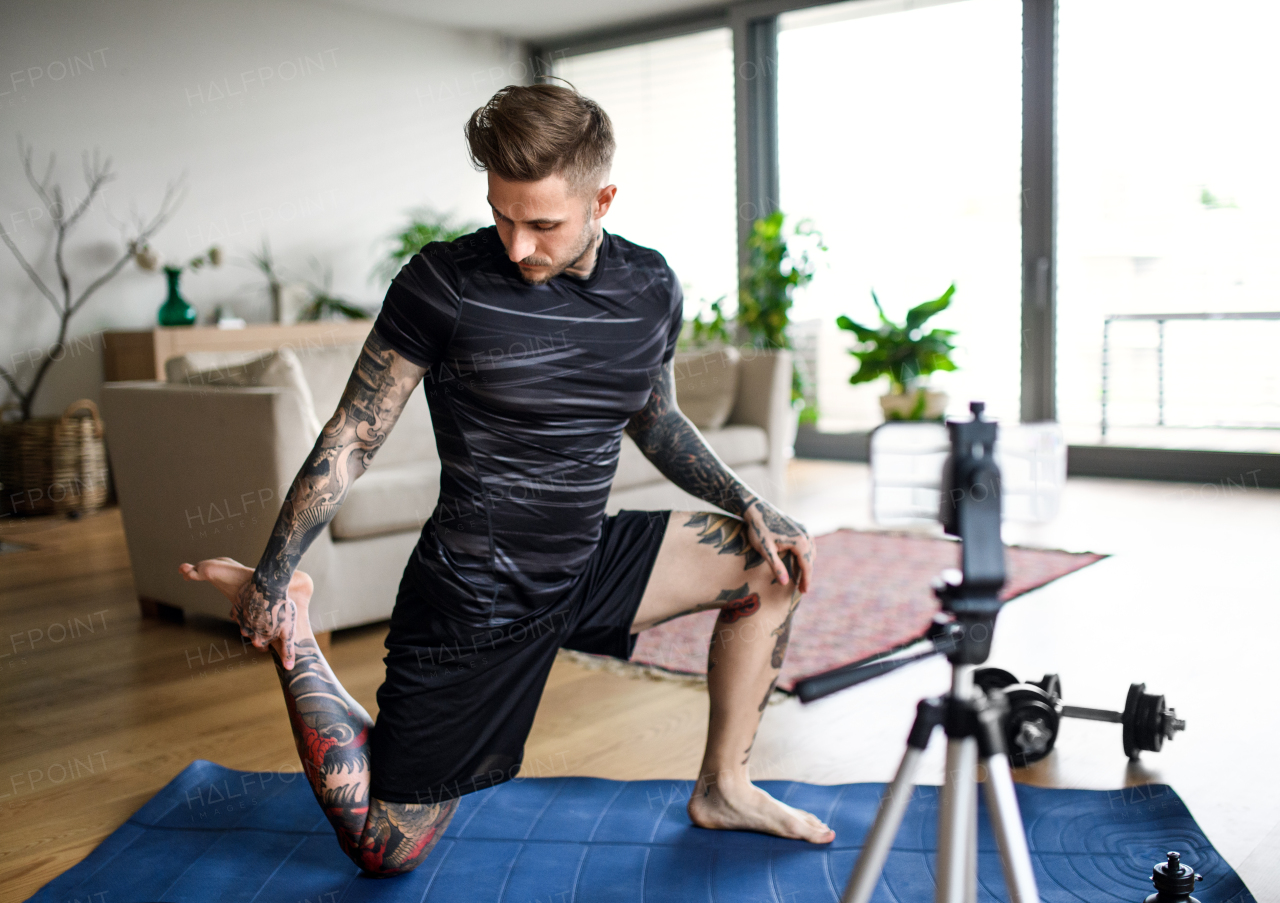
[{"x": 555, "y": 268}]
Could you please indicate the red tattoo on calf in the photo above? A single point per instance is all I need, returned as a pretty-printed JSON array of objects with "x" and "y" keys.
[{"x": 740, "y": 608}]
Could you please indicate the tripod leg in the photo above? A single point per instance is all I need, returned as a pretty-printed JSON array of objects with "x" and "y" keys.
[
  {"x": 1006, "y": 821},
  {"x": 893, "y": 806},
  {"x": 879, "y": 840},
  {"x": 958, "y": 799},
  {"x": 971, "y": 854}
]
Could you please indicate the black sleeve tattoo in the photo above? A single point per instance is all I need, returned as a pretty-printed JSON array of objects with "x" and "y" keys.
[
  {"x": 376, "y": 393},
  {"x": 678, "y": 450}
]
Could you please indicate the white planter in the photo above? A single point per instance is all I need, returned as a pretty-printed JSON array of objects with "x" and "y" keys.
[{"x": 902, "y": 405}]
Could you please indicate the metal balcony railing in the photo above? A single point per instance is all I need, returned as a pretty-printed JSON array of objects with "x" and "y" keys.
[{"x": 1160, "y": 320}]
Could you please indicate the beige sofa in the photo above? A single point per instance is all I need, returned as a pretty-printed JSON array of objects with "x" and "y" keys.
[{"x": 202, "y": 462}]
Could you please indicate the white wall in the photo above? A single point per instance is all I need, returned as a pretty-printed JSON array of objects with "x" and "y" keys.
[{"x": 316, "y": 125}]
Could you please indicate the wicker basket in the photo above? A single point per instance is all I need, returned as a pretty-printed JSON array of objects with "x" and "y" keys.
[{"x": 52, "y": 465}]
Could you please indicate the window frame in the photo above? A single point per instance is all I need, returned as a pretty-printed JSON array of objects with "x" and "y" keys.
[{"x": 755, "y": 34}]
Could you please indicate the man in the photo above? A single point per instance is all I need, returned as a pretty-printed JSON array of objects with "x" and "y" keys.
[{"x": 540, "y": 340}]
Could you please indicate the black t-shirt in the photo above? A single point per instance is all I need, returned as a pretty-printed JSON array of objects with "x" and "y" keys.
[{"x": 530, "y": 387}]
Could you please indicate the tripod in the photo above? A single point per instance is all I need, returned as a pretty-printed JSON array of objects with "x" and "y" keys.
[
  {"x": 969, "y": 716},
  {"x": 972, "y": 724}
]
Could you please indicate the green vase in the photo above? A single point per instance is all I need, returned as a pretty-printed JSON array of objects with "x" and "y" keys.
[{"x": 175, "y": 311}]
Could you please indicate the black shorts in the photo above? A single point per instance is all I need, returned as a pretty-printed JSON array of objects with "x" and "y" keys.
[{"x": 458, "y": 701}]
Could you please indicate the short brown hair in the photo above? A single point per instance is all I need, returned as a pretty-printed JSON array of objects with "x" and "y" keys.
[{"x": 524, "y": 134}]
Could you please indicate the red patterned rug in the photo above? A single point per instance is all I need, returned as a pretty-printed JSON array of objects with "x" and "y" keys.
[{"x": 871, "y": 592}]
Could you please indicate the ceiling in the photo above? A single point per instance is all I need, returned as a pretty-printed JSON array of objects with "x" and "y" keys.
[{"x": 529, "y": 21}]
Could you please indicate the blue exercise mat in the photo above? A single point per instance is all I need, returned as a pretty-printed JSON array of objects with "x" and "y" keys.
[{"x": 214, "y": 834}]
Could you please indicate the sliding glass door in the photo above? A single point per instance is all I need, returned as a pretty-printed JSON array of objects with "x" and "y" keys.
[
  {"x": 1169, "y": 220},
  {"x": 900, "y": 137}
]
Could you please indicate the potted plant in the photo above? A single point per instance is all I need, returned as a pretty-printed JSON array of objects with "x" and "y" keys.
[
  {"x": 773, "y": 272},
  {"x": 424, "y": 227},
  {"x": 906, "y": 354},
  {"x": 701, "y": 333},
  {"x": 779, "y": 260},
  {"x": 775, "y": 267}
]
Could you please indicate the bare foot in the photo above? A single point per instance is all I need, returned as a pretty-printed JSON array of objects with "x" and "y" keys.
[
  {"x": 229, "y": 576},
  {"x": 742, "y": 806}
]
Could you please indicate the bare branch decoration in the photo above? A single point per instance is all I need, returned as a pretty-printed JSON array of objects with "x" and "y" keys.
[{"x": 98, "y": 172}]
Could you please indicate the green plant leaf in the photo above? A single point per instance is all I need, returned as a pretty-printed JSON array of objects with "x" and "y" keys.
[
  {"x": 922, "y": 312},
  {"x": 892, "y": 351},
  {"x": 424, "y": 226},
  {"x": 772, "y": 272},
  {"x": 863, "y": 333},
  {"x": 883, "y": 319}
]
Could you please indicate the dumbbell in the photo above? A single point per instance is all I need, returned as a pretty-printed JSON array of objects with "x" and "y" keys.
[{"x": 1036, "y": 710}]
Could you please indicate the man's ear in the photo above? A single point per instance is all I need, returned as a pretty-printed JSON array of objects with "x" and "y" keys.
[{"x": 603, "y": 200}]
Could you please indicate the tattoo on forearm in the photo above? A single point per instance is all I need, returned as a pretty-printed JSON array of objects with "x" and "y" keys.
[
  {"x": 676, "y": 448},
  {"x": 727, "y": 534},
  {"x": 775, "y": 521},
  {"x": 374, "y": 396}
]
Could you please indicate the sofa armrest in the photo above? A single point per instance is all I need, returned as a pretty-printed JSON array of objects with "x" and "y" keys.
[
  {"x": 764, "y": 400},
  {"x": 201, "y": 472}
]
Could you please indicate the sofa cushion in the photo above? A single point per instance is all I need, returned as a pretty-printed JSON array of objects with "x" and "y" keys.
[
  {"x": 388, "y": 499},
  {"x": 707, "y": 385},
  {"x": 231, "y": 369},
  {"x": 217, "y": 368},
  {"x": 736, "y": 445}
]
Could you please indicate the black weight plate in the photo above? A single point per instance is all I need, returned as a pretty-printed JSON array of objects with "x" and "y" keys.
[
  {"x": 993, "y": 679},
  {"x": 1128, "y": 729},
  {"x": 1149, "y": 724},
  {"x": 1031, "y": 725},
  {"x": 1051, "y": 684}
]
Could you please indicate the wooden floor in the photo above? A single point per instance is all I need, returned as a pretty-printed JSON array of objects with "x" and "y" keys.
[{"x": 101, "y": 708}]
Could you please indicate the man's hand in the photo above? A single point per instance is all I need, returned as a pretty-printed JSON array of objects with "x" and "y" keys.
[
  {"x": 263, "y": 600},
  {"x": 266, "y": 619},
  {"x": 773, "y": 534}
]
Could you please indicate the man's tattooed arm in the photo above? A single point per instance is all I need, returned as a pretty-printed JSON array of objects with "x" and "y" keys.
[
  {"x": 376, "y": 393},
  {"x": 678, "y": 450}
]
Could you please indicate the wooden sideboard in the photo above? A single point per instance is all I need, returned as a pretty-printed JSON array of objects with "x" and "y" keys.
[{"x": 142, "y": 354}]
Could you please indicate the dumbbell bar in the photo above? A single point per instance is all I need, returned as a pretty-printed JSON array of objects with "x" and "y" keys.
[{"x": 1035, "y": 710}]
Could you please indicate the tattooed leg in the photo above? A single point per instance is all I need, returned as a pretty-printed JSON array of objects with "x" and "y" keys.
[
  {"x": 331, "y": 733},
  {"x": 706, "y": 562}
]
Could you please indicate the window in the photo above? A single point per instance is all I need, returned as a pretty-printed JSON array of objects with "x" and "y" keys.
[
  {"x": 900, "y": 137},
  {"x": 671, "y": 103},
  {"x": 1169, "y": 203}
]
